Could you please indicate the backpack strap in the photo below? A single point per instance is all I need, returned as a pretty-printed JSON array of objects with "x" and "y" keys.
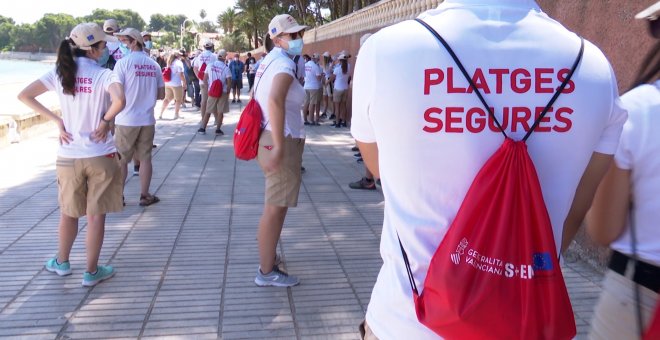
[{"x": 481, "y": 97}]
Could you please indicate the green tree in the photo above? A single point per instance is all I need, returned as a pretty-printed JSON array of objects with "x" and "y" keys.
[
  {"x": 227, "y": 20},
  {"x": 253, "y": 18},
  {"x": 22, "y": 38},
  {"x": 234, "y": 42},
  {"x": 124, "y": 17},
  {"x": 6, "y": 25},
  {"x": 51, "y": 29}
]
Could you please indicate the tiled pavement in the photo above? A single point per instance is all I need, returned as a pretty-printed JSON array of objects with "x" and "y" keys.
[{"x": 186, "y": 265}]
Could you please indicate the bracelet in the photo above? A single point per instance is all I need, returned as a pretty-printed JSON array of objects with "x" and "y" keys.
[{"x": 105, "y": 120}]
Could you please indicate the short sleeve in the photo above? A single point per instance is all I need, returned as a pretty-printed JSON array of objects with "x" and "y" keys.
[
  {"x": 609, "y": 139},
  {"x": 50, "y": 80},
  {"x": 284, "y": 65},
  {"x": 120, "y": 71},
  {"x": 624, "y": 155},
  {"x": 159, "y": 75},
  {"x": 109, "y": 77},
  {"x": 363, "y": 92}
]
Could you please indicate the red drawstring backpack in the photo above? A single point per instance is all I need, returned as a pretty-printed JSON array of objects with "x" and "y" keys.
[
  {"x": 248, "y": 129},
  {"x": 496, "y": 273},
  {"x": 216, "y": 88}
]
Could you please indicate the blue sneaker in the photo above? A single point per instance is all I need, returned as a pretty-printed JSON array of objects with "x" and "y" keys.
[
  {"x": 275, "y": 278},
  {"x": 62, "y": 269},
  {"x": 102, "y": 273}
]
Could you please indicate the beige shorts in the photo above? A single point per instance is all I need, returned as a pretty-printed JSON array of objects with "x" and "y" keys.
[
  {"x": 174, "y": 92},
  {"x": 339, "y": 96},
  {"x": 327, "y": 90},
  {"x": 218, "y": 105},
  {"x": 204, "y": 90},
  {"x": 89, "y": 185},
  {"x": 312, "y": 97},
  {"x": 283, "y": 185},
  {"x": 138, "y": 140}
]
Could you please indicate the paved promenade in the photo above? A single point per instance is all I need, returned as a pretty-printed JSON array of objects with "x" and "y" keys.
[{"x": 185, "y": 266}]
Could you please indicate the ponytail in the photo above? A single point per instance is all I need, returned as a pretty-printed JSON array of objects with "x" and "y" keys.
[
  {"x": 650, "y": 69},
  {"x": 268, "y": 43},
  {"x": 66, "y": 67}
]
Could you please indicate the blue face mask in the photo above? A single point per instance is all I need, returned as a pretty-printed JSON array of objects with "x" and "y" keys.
[
  {"x": 295, "y": 47},
  {"x": 103, "y": 59},
  {"x": 148, "y": 44},
  {"x": 124, "y": 49}
]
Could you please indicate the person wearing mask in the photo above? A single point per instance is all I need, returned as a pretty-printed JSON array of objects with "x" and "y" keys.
[
  {"x": 281, "y": 143},
  {"x": 200, "y": 63},
  {"x": 236, "y": 67},
  {"x": 327, "y": 85},
  {"x": 148, "y": 44},
  {"x": 87, "y": 167},
  {"x": 624, "y": 214},
  {"x": 218, "y": 105},
  {"x": 135, "y": 124},
  {"x": 426, "y": 140},
  {"x": 117, "y": 52},
  {"x": 250, "y": 70},
  {"x": 340, "y": 78},
  {"x": 313, "y": 74},
  {"x": 174, "y": 87}
]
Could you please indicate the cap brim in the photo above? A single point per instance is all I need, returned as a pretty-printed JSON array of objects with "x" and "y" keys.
[
  {"x": 651, "y": 13},
  {"x": 295, "y": 29},
  {"x": 110, "y": 38}
]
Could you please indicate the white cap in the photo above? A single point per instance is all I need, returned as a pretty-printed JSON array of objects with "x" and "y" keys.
[
  {"x": 145, "y": 33},
  {"x": 110, "y": 26},
  {"x": 326, "y": 54},
  {"x": 284, "y": 23},
  {"x": 87, "y": 34},
  {"x": 208, "y": 43},
  {"x": 222, "y": 53},
  {"x": 651, "y": 13},
  {"x": 131, "y": 32}
]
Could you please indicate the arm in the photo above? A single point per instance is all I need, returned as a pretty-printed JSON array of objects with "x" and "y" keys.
[
  {"x": 161, "y": 93},
  {"x": 276, "y": 100},
  {"x": 606, "y": 219},
  {"x": 183, "y": 79},
  {"x": 369, "y": 153},
  {"x": 29, "y": 97},
  {"x": 116, "y": 91},
  {"x": 584, "y": 194}
]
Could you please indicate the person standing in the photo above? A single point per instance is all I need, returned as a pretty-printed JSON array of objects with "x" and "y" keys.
[
  {"x": 87, "y": 167},
  {"x": 281, "y": 143},
  {"x": 340, "y": 78},
  {"x": 135, "y": 124},
  {"x": 199, "y": 64},
  {"x": 313, "y": 74},
  {"x": 236, "y": 67},
  {"x": 174, "y": 87},
  {"x": 426, "y": 136},
  {"x": 250, "y": 70},
  {"x": 625, "y": 214},
  {"x": 117, "y": 52},
  {"x": 148, "y": 44},
  {"x": 218, "y": 105}
]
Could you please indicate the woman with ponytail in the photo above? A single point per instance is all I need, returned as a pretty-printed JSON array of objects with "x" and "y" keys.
[{"x": 88, "y": 173}]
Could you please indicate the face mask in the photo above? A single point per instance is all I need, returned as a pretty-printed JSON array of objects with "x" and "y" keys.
[
  {"x": 148, "y": 44},
  {"x": 103, "y": 59},
  {"x": 295, "y": 47}
]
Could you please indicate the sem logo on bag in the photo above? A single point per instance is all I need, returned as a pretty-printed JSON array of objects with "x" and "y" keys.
[{"x": 460, "y": 250}]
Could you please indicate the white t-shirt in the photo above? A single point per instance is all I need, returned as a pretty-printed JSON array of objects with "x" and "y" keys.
[
  {"x": 219, "y": 70},
  {"x": 341, "y": 79},
  {"x": 82, "y": 113},
  {"x": 141, "y": 77},
  {"x": 115, "y": 50},
  {"x": 276, "y": 62},
  {"x": 177, "y": 70},
  {"x": 206, "y": 57},
  {"x": 312, "y": 71},
  {"x": 433, "y": 138},
  {"x": 639, "y": 151}
]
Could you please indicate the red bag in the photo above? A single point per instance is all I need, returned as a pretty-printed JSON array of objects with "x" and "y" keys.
[
  {"x": 653, "y": 331},
  {"x": 215, "y": 90},
  {"x": 167, "y": 73},
  {"x": 496, "y": 273},
  {"x": 202, "y": 69}
]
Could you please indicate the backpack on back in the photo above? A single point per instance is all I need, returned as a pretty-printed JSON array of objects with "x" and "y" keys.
[
  {"x": 496, "y": 273},
  {"x": 167, "y": 74},
  {"x": 202, "y": 69},
  {"x": 215, "y": 90}
]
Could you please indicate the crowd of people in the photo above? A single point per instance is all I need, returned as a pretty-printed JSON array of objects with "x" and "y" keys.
[{"x": 108, "y": 87}]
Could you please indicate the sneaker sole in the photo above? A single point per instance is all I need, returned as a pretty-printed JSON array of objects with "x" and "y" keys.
[
  {"x": 59, "y": 271},
  {"x": 262, "y": 283},
  {"x": 95, "y": 282}
]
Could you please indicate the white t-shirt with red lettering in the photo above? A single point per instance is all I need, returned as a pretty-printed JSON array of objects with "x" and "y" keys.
[
  {"x": 82, "y": 113},
  {"x": 141, "y": 77},
  {"x": 433, "y": 137},
  {"x": 207, "y": 57},
  {"x": 639, "y": 151},
  {"x": 219, "y": 70},
  {"x": 277, "y": 61},
  {"x": 341, "y": 78},
  {"x": 312, "y": 72}
]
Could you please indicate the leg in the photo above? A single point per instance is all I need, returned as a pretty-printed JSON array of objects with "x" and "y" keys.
[
  {"x": 94, "y": 240},
  {"x": 270, "y": 228},
  {"x": 68, "y": 230},
  {"x": 218, "y": 120},
  {"x": 146, "y": 171},
  {"x": 166, "y": 102}
]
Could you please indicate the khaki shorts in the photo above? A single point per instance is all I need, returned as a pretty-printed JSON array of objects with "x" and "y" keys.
[
  {"x": 218, "y": 105},
  {"x": 138, "y": 140},
  {"x": 89, "y": 185},
  {"x": 204, "y": 90},
  {"x": 174, "y": 92},
  {"x": 327, "y": 92},
  {"x": 283, "y": 185},
  {"x": 312, "y": 97},
  {"x": 339, "y": 96}
]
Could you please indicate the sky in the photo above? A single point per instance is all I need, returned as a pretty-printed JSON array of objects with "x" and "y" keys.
[{"x": 29, "y": 11}]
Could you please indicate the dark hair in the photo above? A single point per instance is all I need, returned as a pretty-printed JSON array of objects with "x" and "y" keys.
[
  {"x": 66, "y": 66},
  {"x": 268, "y": 43},
  {"x": 307, "y": 57},
  {"x": 138, "y": 43},
  {"x": 249, "y": 54},
  {"x": 650, "y": 67},
  {"x": 344, "y": 66}
]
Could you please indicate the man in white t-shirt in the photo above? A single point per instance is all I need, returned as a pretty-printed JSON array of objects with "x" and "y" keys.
[
  {"x": 117, "y": 51},
  {"x": 135, "y": 124},
  {"x": 200, "y": 63},
  {"x": 424, "y": 134},
  {"x": 217, "y": 70},
  {"x": 312, "y": 87}
]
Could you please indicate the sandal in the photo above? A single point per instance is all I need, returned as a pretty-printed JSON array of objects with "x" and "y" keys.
[{"x": 148, "y": 200}]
